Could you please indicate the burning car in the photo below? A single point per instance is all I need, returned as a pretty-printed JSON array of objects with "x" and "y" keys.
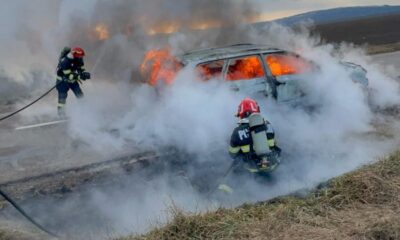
[{"x": 247, "y": 67}]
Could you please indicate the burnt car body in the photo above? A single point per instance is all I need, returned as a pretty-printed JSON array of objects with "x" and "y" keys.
[{"x": 253, "y": 69}]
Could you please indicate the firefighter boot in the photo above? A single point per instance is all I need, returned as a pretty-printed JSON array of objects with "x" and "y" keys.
[{"x": 61, "y": 112}]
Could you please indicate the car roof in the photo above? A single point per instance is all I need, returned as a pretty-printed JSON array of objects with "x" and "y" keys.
[{"x": 236, "y": 50}]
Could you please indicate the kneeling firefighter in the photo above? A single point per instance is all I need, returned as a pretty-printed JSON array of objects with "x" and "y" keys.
[
  {"x": 252, "y": 144},
  {"x": 70, "y": 72}
]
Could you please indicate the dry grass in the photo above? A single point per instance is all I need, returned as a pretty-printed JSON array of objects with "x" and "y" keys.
[
  {"x": 14, "y": 235},
  {"x": 386, "y": 228},
  {"x": 3, "y": 236},
  {"x": 364, "y": 204}
]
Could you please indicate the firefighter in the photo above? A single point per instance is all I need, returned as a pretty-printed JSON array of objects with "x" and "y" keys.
[
  {"x": 70, "y": 72},
  {"x": 252, "y": 144}
]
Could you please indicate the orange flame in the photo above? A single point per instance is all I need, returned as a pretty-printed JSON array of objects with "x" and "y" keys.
[
  {"x": 164, "y": 28},
  {"x": 169, "y": 27},
  {"x": 203, "y": 25},
  {"x": 159, "y": 65},
  {"x": 101, "y": 32},
  {"x": 210, "y": 70},
  {"x": 287, "y": 64},
  {"x": 204, "y": 72},
  {"x": 246, "y": 68}
]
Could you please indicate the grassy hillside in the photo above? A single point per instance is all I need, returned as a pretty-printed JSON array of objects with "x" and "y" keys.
[
  {"x": 364, "y": 204},
  {"x": 372, "y": 31}
]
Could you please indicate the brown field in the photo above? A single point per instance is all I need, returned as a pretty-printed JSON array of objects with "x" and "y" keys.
[{"x": 380, "y": 34}]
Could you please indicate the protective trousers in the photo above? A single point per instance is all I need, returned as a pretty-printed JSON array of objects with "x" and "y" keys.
[{"x": 63, "y": 88}]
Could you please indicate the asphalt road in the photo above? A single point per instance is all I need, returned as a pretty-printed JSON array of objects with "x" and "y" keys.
[{"x": 41, "y": 150}]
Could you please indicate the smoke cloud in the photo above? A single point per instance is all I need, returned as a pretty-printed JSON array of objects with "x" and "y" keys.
[{"x": 194, "y": 117}]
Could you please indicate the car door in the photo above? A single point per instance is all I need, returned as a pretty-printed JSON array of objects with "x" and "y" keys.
[
  {"x": 288, "y": 72},
  {"x": 246, "y": 74}
]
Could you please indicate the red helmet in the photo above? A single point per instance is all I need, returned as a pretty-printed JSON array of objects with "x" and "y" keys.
[
  {"x": 246, "y": 107},
  {"x": 77, "y": 52}
]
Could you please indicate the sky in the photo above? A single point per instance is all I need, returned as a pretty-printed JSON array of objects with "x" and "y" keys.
[{"x": 284, "y": 8}]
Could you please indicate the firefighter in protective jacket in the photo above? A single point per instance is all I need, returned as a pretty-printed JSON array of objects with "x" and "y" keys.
[
  {"x": 70, "y": 71},
  {"x": 243, "y": 140}
]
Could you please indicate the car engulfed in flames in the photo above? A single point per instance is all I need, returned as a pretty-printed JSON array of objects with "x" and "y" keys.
[
  {"x": 159, "y": 65},
  {"x": 247, "y": 67}
]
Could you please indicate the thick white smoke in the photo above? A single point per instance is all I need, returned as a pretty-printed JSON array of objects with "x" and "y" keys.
[
  {"x": 197, "y": 117},
  {"x": 25, "y": 52}
]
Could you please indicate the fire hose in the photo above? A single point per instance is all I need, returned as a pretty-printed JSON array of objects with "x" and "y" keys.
[
  {"x": 30, "y": 104},
  {"x": 12, "y": 202},
  {"x": 222, "y": 179},
  {"x": 86, "y": 76},
  {"x": 5, "y": 196}
]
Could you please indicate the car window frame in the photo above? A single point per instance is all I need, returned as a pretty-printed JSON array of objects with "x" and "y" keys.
[
  {"x": 274, "y": 81},
  {"x": 259, "y": 55},
  {"x": 313, "y": 65},
  {"x": 215, "y": 60},
  {"x": 271, "y": 79}
]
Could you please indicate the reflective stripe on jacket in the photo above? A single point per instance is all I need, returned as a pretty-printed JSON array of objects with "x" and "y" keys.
[
  {"x": 70, "y": 68},
  {"x": 241, "y": 142}
]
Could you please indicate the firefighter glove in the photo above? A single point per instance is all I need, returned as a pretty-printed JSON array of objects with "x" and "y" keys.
[{"x": 85, "y": 75}]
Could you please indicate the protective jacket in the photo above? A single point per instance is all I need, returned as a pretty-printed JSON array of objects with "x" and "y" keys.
[
  {"x": 241, "y": 144},
  {"x": 69, "y": 69}
]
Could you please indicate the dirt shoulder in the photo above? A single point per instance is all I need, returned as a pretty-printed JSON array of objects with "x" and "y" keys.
[{"x": 364, "y": 204}]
